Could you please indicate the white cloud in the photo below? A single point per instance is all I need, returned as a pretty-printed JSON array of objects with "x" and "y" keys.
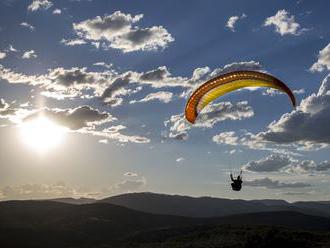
[
  {"x": 12, "y": 49},
  {"x": 210, "y": 116},
  {"x": 274, "y": 92},
  {"x": 114, "y": 133},
  {"x": 130, "y": 174},
  {"x": 28, "y": 26},
  {"x": 180, "y": 160},
  {"x": 117, "y": 31},
  {"x": 29, "y": 54},
  {"x": 285, "y": 163},
  {"x": 323, "y": 60},
  {"x": 74, "y": 42},
  {"x": 57, "y": 11},
  {"x": 162, "y": 96},
  {"x": 103, "y": 64},
  {"x": 2, "y": 55},
  {"x": 284, "y": 23},
  {"x": 226, "y": 138},
  {"x": 40, "y": 4},
  {"x": 232, "y": 21}
]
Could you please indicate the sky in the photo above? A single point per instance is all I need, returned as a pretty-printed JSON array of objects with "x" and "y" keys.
[{"x": 93, "y": 94}]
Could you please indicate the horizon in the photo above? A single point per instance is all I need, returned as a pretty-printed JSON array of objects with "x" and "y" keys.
[{"x": 93, "y": 94}]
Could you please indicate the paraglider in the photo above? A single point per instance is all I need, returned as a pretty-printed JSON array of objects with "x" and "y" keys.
[
  {"x": 226, "y": 83},
  {"x": 236, "y": 184}
]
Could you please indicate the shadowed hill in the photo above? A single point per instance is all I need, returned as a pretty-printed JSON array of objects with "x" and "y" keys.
[
  {"x": 54, "y": 224},
  {"x": 207, "y": 206}
]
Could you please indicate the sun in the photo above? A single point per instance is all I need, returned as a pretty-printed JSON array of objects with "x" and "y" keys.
[{"x": 41, "y": 134}]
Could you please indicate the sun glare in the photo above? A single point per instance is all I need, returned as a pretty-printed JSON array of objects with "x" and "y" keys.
[{"x": 41, "y": 134}]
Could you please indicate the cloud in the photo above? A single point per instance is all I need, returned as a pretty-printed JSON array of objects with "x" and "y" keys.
[
  {"x": 114, "y": 133},
  {"x": 208, "y": 118},
  {"x": 29, "y": 54},
  {"x": 74, "y": 119},
  {"x": 287, "y": 164},
  {"x": 2, "y": 55},
  {"x": 40, "y": 4},
  {"x": 74, "y": 42},
  {"x": 144, "y": 39},
  {"x": 28, "y": 26},
  {"x": 117, "y": 31},
  {"x": 162, "y": 96},
  {"x": 127, "y": 186},
  {"x": 274, "y": 184},
  {"x": 323, "y": 60},
  {"x": 43, "y": 191},
  {"x": 274, "y": 92},
  {"x": 103, "y": 64},
  {"x": 274, "y": 162},
  {"x": 12, "y": 49},
  {"x": 57, "y": 11},
  {"x": 130, "y": 174},
  {"x": 307, "y": 125},
  {"x": 284, "y": 23},
  {"x": 180, "y": 160},
  {"x": 226, "y": 138},
  {"x": 233, "y": 20},
  {"x": 116, "y": 85}
]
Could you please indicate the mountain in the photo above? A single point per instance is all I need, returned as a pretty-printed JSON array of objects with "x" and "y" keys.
[
  {"x": 208, "y": 206},
  {"x": 70, "y": 200},
  {"x": 55, "y": 224}
]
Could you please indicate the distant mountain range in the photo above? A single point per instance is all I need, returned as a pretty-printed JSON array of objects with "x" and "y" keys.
[
  {"x": 211, "y": 207},
  {"x": 161, "y": 221}
]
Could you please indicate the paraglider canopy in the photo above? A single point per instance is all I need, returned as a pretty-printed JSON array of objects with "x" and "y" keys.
[{"x": 229, "y": 82}]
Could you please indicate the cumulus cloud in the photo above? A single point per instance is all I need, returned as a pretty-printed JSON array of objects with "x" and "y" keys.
[
  {"x": 274, "y": 162},
  {"x": 307, "y": 125},
  {"x": 74, "y": 42},
  {"x": 210, "y": 116},
  {"x": 74, "y": 119},
  {"x": 162, "y": 96},
  {"x": 2, "y": 55},
  {"x": 40, "y": 4},
  {"x": 144, "y": 39},
  {"x": 274, "y": 92},
  {"x": 275, "y": 184},
  {"x": 286, "y": 163},
  {"x": 28, "y": 26},
  {"x": 117, "y": 31},
  {"x": 226, "y": 138},
  {"x": 114, "y": 133},
  {"x": 233, "y": 20},
  {"x": 323, "y": 60},
  {"x": 284, "y": 23},
  {"x": 29, "y": 54}
]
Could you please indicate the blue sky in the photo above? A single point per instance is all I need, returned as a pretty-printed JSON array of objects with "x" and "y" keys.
[{"x": 116, "y": 75}]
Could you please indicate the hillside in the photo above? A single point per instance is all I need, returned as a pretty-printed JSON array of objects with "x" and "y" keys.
[
  {"x": 54, "y": 224},
  {"x": 210, "y": 207}
]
